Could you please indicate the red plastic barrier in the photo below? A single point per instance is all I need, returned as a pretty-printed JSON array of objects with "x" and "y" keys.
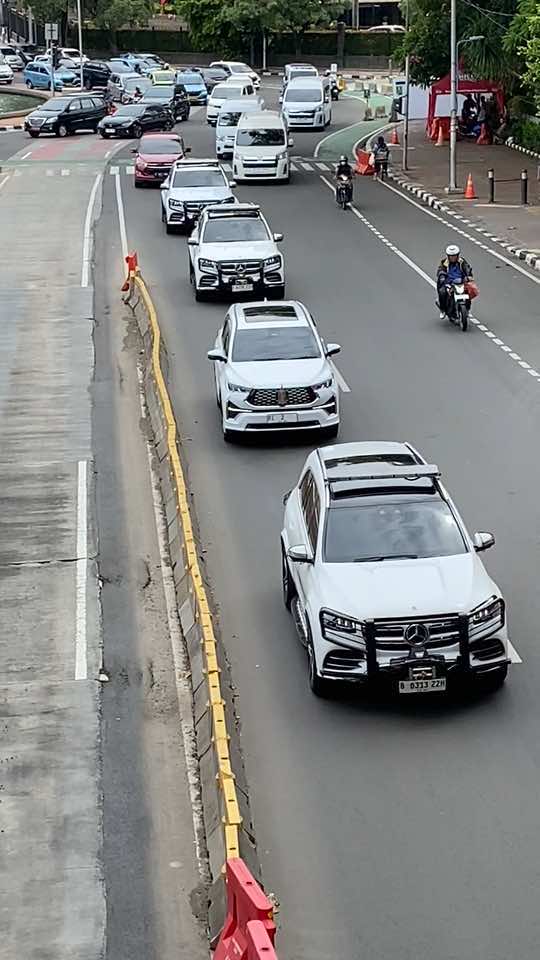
[
  {"x": 132, "y": 267},
  {"x": 363, "y": 166},
  {"x": 246, "y": 902},
  {"x": 259, "y": 945}
]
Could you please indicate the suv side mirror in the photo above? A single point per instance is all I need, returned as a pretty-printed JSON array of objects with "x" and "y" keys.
[
  {"x": 300, "y": 554},
  {"x": 217, "y": 355},
  {"x": 483, "y": 541},
  {"x": 192, "y": 241},
  {"x": 278, "y": 237},
  {"x": 232, "y": 184},
  {"x": 332, "y": 349},
  {"x": 290, "y": 142}
]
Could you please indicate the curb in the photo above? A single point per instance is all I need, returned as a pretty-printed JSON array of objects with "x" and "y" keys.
[
  {"x": 227, "y": 819},
  {"x": 531, "y": 259},
  {"x": 516, "y": 146},
  {"x": 18, "y": 126}
]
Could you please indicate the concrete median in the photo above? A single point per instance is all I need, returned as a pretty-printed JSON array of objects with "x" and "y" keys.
[{"x": 228, "y": 827}]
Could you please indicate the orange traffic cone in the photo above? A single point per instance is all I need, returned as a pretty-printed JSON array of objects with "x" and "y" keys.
[
  {"x": 394, "y": 139},
  {"x": 469, "y": 189},
  {"x": 440, "y": 138}
]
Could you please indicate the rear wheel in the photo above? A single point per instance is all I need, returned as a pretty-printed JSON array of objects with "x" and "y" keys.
[
  {"x": 495, "y": 680},
  {"x": 463, "y": 311}
]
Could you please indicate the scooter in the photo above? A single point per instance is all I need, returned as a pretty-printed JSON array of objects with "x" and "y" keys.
[
  {"x": 460, "y": 305},
  {"x": 343, "y": 191}
]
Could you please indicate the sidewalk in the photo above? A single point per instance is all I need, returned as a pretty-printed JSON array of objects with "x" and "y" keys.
[{"x": 506, "y": 220}]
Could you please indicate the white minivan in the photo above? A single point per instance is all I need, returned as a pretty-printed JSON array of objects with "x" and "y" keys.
[
  {"x": 227, "y": 122},
  {"x": 307, "y": 103},
  {"x": 261, "y": 147},
  {"x": 228, "y": 90}
]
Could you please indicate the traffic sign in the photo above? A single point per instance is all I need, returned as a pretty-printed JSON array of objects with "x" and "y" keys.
[{"x": 51, "y": 31}]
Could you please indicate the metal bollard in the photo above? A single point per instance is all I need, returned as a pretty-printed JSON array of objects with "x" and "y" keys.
[
  {"x": 524, "y": 186},
  {"x": 491, "y": 182}
]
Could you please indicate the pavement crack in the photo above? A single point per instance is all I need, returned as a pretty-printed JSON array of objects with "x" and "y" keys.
[{"x": 44, "y": 563}]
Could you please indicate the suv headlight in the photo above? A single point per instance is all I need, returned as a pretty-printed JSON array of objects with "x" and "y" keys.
[
  {"x": 272, "y": 262},
  {"x": 282, "y": 156},
  {"x": 236, "y": 388},
  {"x": 207, "y": 265},
  {"x": 176, "y": 204},
  {"x": 489, "y": 614},
  {"x": 338, "y": 623},
  {"x": 324, "y": 384}
]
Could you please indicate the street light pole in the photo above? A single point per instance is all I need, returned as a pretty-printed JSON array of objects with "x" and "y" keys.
[
  {"x": 454, "y": 66},
  {"x": 405, "y": 157},
  {"x": 79, "y": 18}
]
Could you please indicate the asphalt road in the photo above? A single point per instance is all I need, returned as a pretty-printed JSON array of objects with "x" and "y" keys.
[{"x": 388, "y": 830}]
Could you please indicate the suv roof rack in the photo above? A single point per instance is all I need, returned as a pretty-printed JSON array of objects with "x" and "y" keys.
[
  {"x": 382, "y": 471},
  {"x": 192, "y": 162},
  {"x": 232, "y": 210}
]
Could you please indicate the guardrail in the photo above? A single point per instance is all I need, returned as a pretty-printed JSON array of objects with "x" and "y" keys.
[{"x": 225, "y": 805}]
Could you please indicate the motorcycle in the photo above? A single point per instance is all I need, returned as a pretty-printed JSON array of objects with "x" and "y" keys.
[
  {"x": 334, "y": 91},
  {"x": 459, "y": 304},
  {"x": 343, "y": 191}
]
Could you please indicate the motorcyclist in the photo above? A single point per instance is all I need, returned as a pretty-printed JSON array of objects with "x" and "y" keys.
[
  {"x": 137, "y": 94},
  {"x": 381, "y": 153},
  {"x": 344, "y": 169},
  {"x": 453, "y": 268}
]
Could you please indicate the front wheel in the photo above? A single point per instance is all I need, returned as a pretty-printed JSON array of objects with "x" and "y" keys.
[
  {"x": 62, "y": 130},
  {"x": 29, "y": 84},
  {"x": 33, "y": 133},
  {"x": 463, "y": 312},
  {"x": 137, "y": 131},
  {"x": 318, "y": 686}
]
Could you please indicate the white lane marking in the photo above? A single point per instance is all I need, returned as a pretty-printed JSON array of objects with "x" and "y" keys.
[
  {"x": 294, "y": 166},
  {"x": 121, "y": 216},
  {"x": 306, "y": 166},
  {"x": 26, "y": 155},
  {"x": 4, "y": 181},
  {"x": 107, "y": 154},
  {"x": 81, "y": 666},
  {"x": 87, "y": 236},
  {"x": 227, "y": 167},
  {"x": 113, "y": 171},
  {"x": 130, "y": 169},
  {"x": 462, "y": 233},
  {"x": 414, "y": 266},
  {"x": 65, "y": 172},
  {"x": 342, "y": 383},
  {"x": 335, "y": 133}
]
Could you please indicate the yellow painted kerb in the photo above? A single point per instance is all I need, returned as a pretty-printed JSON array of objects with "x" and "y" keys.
[{"x": 220, "y": 737}]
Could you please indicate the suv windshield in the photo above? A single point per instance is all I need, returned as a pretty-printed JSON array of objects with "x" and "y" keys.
[
  {"x": 243, "y": 229},
  {"x": 198, "y": 178},
  {"x": 190, "y": 78},
  {"x": 275, "y": 343},
  {"x": 227, "y": 92},
  {"x": 391, "y": 529},
  {"x": 164, "y": 92},
  {"x": 260, "y": 138},
  {"x": 239, "y": 68},
  {"x": 303, "y": 95},
  {"x": 228, "y": 119},
  {"x": 54, "y": 106}
]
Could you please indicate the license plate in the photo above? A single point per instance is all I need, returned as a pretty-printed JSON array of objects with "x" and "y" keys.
[
  {"x": 435, "y": 685},
  {"x": 282, "y": 418},
  {"x": 241, "y": 287}
]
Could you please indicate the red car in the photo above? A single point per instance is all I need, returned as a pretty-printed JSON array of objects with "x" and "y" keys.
[{"x": 155, "y": 156}]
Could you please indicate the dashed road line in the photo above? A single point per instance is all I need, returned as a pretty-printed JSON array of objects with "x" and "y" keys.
[{"x": 492, "y": 337}]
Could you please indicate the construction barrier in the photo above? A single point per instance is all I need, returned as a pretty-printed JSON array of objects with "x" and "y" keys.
[
  {"x": 249, "y": 929},
  {"x": 227, "y": 820},
  {"x": 363, "y": 167}
]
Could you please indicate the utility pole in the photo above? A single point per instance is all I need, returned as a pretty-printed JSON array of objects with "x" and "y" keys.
[
  {"x": 79, "y": 19},
  {"x": 453, "y": 96},
  {"x": 405, "y": 158}
]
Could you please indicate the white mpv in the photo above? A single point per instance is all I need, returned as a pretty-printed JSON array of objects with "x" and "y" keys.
[
  {"x": 227, "y": 122},
  {"x": 261, "y": 147},
  {"x": 228, "y": 90},
  {"x": 382, "y": 577},
  {"x": 306, "y": 103}
]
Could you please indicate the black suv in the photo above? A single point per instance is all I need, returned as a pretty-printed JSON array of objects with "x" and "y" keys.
[
  {"x": 65, "y": 115},
  {"x": 173, "y": 96},
  {"x": 95, "y": 74}
]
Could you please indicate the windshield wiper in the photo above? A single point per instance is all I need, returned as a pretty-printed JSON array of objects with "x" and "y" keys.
[{"x": 394, "y": 556}]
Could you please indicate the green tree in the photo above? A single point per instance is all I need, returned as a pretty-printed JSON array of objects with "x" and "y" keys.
[
  {"x": 523, "y": 42},
  {"x": 297, "y": 16},
  {"x": 114, "y": 14}
]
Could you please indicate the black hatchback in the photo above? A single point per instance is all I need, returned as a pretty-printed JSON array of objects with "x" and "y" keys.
[
  {"x": 132, "y": 119},
  {"x": 96, "y": 73},
  {"x": 65, "y": 115},
  {"x": 171, "y": 95}
]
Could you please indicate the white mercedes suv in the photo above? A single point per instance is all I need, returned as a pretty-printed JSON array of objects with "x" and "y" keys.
[
  {"x": 189, "y": 187},
  {"x": 233, "y": 251},
  {"x": 272, "y": 371},
  {"x": 382, "y": 576}
]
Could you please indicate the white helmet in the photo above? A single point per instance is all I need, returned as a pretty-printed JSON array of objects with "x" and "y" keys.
[{"x": 452, "y": 250}]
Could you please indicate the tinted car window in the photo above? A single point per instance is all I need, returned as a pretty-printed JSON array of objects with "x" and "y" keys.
[
  {"x": 303, "y": 95},
  {"x": 393, "y": 528},
  {"x": 228, "y": 119},
  {"x": 260, "y": 138},
  {"x": 159, "y": 145},
  {"x": 275, "y": 343},
  {"x": 159, "y": 93},
  {"x": 53, "y": 106},
  {"x": 198, "y": 178},
  {"x": 74, "y": 106}
]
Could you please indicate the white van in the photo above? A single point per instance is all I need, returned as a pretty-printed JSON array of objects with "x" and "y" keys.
[
  {"x": 261, "y": 147},
  {"x": 228, "y": 90},
  {"x": 227, "y": 122},
  {"x": 295, "y": 70},
  {"x": 307, "y": 103}
]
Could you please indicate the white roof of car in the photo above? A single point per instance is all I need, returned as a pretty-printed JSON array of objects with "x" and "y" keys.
[
  {"x": 265, "y": 313},
  {"x": 263, "y": 118},
  {"x": 301, "y": 83},
  {"x": 245, "y": 104}
]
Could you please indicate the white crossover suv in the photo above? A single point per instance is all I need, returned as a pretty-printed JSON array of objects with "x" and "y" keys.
[
  {"x": 189, "y": 187},
  {"x": 272, "y": 371},
  {"x": 382, "y": 576},
  {"x": 233, "y": 251}
]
